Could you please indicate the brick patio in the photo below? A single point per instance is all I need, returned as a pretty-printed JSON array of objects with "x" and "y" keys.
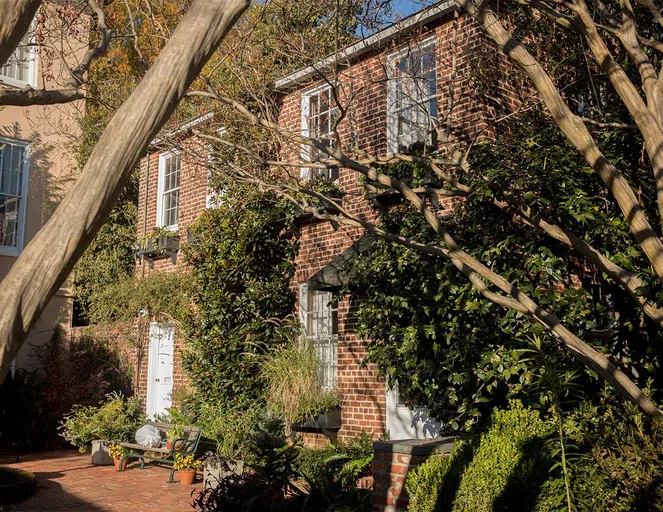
[{"x": 67, "y": 481}]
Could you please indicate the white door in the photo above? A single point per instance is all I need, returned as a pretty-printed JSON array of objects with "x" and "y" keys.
[
  {"x": 160, "y": 368},
  {"x": 406, "y": 423}
]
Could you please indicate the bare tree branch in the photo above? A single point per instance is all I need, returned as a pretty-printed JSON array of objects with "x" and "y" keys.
[{"x": 15, "y": 19}]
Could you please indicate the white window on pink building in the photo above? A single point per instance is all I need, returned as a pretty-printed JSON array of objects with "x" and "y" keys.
[
  {"x": 168, "y": 200},
  {"x": 21, "y": 68},
  {"x": 411, "y": 96},
  {"x": 13, "y": 195},
  {"x": 319, "y": 115},
  {"x": 319, "y": 315}
]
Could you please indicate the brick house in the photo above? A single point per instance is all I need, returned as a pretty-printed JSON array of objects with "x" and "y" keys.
[{"x": 389, "y": 109}]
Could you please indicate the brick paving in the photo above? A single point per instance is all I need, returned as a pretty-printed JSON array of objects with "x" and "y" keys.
[{"x": 68, "y": 482}]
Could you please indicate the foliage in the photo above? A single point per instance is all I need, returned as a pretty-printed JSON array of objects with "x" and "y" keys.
[
  {"x": 428, "y": 484},
  {"x": 501, "y": 469},
  {"x": 504, "y": 463},
  {"x": 275, "y": 463},
  {"x": 229, "y": 427},
  {"x": 110, "y": 256},
  {"x": 241, "y": 261},
  {"x": 457, "y": 353},
  {"x": 293, "y": 384},
  {"x": 347, "y": 461},
  {"x": 34, "y": 402},
  {"x": 107, "y": 422},
  {"x": 156, "y": 293},
  {"x": 186, "y": 462},
  {"x": 115, "y": 451}
]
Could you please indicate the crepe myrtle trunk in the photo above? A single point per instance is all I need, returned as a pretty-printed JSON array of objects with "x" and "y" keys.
[{"x": 49, "y": 258}]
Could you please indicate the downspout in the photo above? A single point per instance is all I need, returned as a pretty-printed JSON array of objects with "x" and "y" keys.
[{"x": 147, "y": 195}]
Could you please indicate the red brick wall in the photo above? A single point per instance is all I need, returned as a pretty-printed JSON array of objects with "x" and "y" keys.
[
  {"x": 193, "y": 200},
  {"x": 365, "y": 128},
  {"x": 363, "y": 85}
]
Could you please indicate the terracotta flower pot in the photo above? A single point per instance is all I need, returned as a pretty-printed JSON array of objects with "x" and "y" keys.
[
  {"x": 168, "y": 445},
  {"x": 187, "y": 476},
  {"x": 116, "y": 463}
]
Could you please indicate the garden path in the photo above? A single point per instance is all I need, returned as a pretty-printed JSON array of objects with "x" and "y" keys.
[{"x": 68, "y": 482}]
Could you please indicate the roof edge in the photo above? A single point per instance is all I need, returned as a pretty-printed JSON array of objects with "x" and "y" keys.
[{"x": 367, "y": 44}]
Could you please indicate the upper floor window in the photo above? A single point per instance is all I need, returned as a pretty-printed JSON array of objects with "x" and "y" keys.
[
  {"x": 168, "y": 201},
  {"x": 319, "y": 315},
  {"x": 21, "y": 68},
  {"x": 412, "y": 103},
  {"x": 319, "y": 115},
  {"x": 13, "y": 194}
]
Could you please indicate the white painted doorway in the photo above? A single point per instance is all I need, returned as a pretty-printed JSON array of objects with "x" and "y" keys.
[
  {"x": 160, "y": 368},
  {"x": 406, "y": 423}
]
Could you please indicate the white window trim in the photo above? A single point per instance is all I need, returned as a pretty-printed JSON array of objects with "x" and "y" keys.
[
  {"x": 32, "y": 69},
  {"x": 392, "y": 117},
  {"x": 306, "y": 173},
  {"x": 162, "y": 169},
  {"x": 23, "y": 210},
  {"x": 303, "y": 318}
]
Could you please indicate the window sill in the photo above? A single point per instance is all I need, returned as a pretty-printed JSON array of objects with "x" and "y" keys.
[
  {"x": 13, "y": 82},
  {"x": 12, "y": 252}
]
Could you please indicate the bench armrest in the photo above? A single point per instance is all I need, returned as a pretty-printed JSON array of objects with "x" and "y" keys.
[
  {"x": 182, "y": 446},
  {"x": 126, "y": 437}
]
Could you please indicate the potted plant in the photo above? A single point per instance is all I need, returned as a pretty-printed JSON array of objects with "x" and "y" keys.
[
  {"x": 186, "y": 467},
  {"x": 116, "y": 452},
  {"x": 294, "y": 391},
  {"x": 102, "y": 425},
  {"x": 173, "y": 434}
]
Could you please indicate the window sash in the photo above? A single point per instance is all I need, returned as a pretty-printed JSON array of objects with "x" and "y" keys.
[
  {"x": 412, "y": 113},
  {"x": 320, "y": 318},
  {"x": 13, "y": 172},
  {"x": 169, "y": 186},
  {"x": 319, "y": 115},
  {"x": 19, "y": 68}
]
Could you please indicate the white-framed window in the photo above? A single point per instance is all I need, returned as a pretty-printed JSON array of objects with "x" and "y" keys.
[
  {"x": 21, "y": 68},
  {"x": 168, "y": 201},
  {"x": 411, "y": 96},
  {"x": 319, "y": 115},
  {"x": 319, "y": 315},
  {"x": 14, "y": 165}
]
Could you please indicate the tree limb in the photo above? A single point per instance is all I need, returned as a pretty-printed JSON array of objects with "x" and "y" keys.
[{"x": 49, "y": 258}]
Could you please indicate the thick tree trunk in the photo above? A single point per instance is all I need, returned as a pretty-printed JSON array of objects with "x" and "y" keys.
[
  {"x": 15, "y": 19},
  {"x": 49, "y": 258}
]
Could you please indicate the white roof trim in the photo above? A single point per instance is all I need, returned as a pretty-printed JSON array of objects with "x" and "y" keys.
[
  {"x": 367, "y": 44},
  {"x": 183, "y": 127}
]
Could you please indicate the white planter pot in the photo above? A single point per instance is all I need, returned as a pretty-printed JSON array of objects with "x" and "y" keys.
[
  {"x": 100, "y": 455},
  {"x": 212, "y": 475}
]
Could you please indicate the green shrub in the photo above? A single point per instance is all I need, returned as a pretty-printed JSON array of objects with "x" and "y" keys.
[
  {"x": 229, "y": 427},
  {"x": 293, "y": 385},
  {"x": 241, "y": 261},
  {"x": 425, "y": 482},
  {"x": 106, "y": 422},
  {"x": 505, "y": 462},
  {"x": 347, "y": 461}
]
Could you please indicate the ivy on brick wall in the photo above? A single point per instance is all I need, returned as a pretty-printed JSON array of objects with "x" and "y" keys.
[
  {"x": 461, "y": 355},
  {"x": 241, "y": 261}
]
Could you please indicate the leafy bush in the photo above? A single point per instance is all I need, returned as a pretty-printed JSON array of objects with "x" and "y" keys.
[
  {"x": 229, "y": 427},
  {"x": 106, "y": 422},
  {"x": 505, "y": 462},
  {"x": 34, "y": 402},
  {"x": 293, "y": 384},
  {"x": 502, "y": 469},
  {"x": 241, "y": 261},
  {"x": 425, "y": 484}
]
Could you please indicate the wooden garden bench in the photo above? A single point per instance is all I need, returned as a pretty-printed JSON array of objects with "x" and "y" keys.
[{"x": 185, "y": 445}]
